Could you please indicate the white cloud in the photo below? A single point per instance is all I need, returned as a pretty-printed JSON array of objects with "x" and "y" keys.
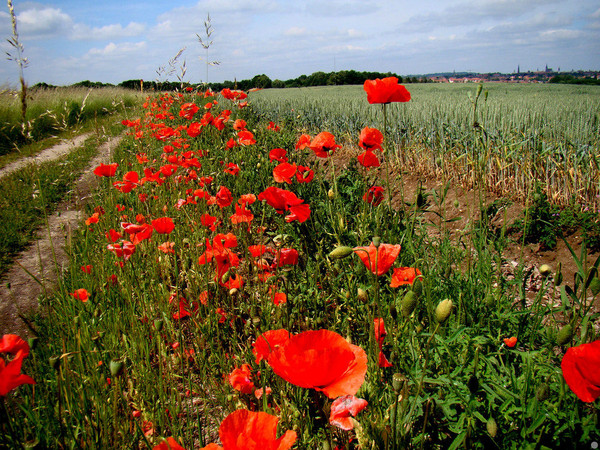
[
  {"x": 107, "y": 32},
  {"x": 559, "y": 35},
  {"x": 43, "y": 22},
  {"x": 116, "y": 50},
  {"x": 295, "y": 31}
]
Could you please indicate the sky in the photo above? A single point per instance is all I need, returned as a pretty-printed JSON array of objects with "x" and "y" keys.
[{"x": 66, "y": 41}]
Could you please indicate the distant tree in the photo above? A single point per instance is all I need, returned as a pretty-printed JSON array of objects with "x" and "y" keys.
[{"x": 277, "y": 84}]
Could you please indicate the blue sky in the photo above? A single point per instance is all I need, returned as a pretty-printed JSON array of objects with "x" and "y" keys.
[{"x": 111, "y": 41}]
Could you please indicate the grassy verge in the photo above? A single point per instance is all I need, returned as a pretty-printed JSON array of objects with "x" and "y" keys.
[
  {"x": 54, "y": 111},
  {"x": 29, "y": 195},
  {"x": 205, "y": 247}
]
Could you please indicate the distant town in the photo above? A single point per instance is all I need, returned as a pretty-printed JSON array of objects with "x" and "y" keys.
[{"x": 540, "y": 76}]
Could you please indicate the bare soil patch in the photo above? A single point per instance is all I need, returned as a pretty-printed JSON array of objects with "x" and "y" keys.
[
  {"x": 46, "y": 258},
  {"x": 49, "y": 154}
]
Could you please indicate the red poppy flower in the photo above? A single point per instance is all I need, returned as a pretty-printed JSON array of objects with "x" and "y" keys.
[
  {"x": 380, "y": 332},
  {"x": 124, "y": 250},
  {"x": 92, "y": 219},
  {"x": 322, "y": 360},
  {"x": 344, "y": 407},
  {"x": 188, "y": 110},
  {"x": 15, "y": 345},
  {"x": 404, "y": 275},
  {"x": 113, "y": 235},
  {"x": 248, "y": 430},
  {"x": 278, "y": 154},
  {"x": 378, "y": 259},
  {"x": 209, "y": 221},
  {"x": 368, "y": 159},
  {"x": 304, "y": 174},
  {"x": 283, "y": 200},
  {"x": 303, "y": 142},
  {"x": 163, "y": 225},
  {"x": 370, "y": 139},
  {"x": 272, "y": 126},
  {"x": 246, "y": 138},
  {"x": 87, "y": 269},
  {"x": 106, "y": 170},
  {"x": 11, "y": 376},
  {"x": 284, "y": 172},
  {"x": 269, "y": 341},
  {"x": 324, "y": 144},
  {"x": 374, "y": 195},
  {"x": 240, "y": 380},
  {"x": 232, "y": 168},
  {"x": 130, "y": 180},
  {"x": 167, "y": 247},
  {"x": 241, "y": 215},
  {"x": 239, "y": 124},
  {"x": 169, "y": 444},
  {"x": 224, "y": 197},
  {"x": 581, "y": 370},
  {"x": 510, "y": 342},
  {"x": 386, "y": 90},
  {"x": 382, "y": 361},
  {"x": 81, "y": 294},
  {"x": 194, "y": 129}
]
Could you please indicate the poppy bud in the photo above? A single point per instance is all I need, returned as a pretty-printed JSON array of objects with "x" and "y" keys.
[
  {"x": 443, "y": 310},
  {"x": 595, "y": 285},
  {"x": 158, "y": 324},
  {"x": 54, "y": 362},
  {"x": 545, "y": 270},
  {"x": 116, "y": 367},
  {"x": 542, "y": 392},
  {"x": 558, "y": 276},
  {"x": 233, "y": 292},
  {"x": 225, "y": 277},
  {"x": 258, "y": 165},
  {"x": 362, "y": 295},
  {"x": 340, "y": 252},
  {"x": 376, "y": 241},
  {"x": 492, "y": 427},
  {"x": 408, "y": 304},
  {"x": 32, "y": 341},
  {"x": 564, "y": 335},
  {"x": 490, "y": 300},
  {"x": 331, "y": 194}
]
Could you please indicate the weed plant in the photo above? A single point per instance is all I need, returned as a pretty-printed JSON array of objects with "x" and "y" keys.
[{"x": 148, "y": 327}]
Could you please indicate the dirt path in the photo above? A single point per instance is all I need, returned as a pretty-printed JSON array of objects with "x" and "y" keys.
[
  {"x": 49, "y": 154},
  {"x": 46, "y": 257}
]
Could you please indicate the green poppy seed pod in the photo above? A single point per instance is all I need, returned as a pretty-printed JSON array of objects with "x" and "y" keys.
[
  {"x": 443, "y": 310},
  {"x": 398, "y": 381},
  {"x": 376, "y": 241},
  {"x": 492, "y": 427},
  {"x": 340, "y": 252},
  {"x": 542, "y": 392},
  {"x": 545, "y": 270},
  {"x": 595, "y": 285},
  {"x": 362, "y": 295},
  {"x": 116, "y": 367},
  {"x": 408, "y": 304},
  {"x": 564, "y": 335},
  {"x": 158, "y": 324},
  {"x": 456, "y": 204}
]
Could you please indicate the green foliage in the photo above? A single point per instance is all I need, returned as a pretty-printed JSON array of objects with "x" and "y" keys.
[{"x": 452, "y": 383}]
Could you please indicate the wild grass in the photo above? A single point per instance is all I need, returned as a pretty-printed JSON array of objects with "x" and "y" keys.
[
  {"x": 52, "y": 111},
  {"x": 149, "y": 354}
]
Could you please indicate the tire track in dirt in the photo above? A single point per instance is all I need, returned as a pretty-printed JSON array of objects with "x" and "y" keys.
[
  {"x": 49, "y": 154},
  {"x": 46, "y": 257}
]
